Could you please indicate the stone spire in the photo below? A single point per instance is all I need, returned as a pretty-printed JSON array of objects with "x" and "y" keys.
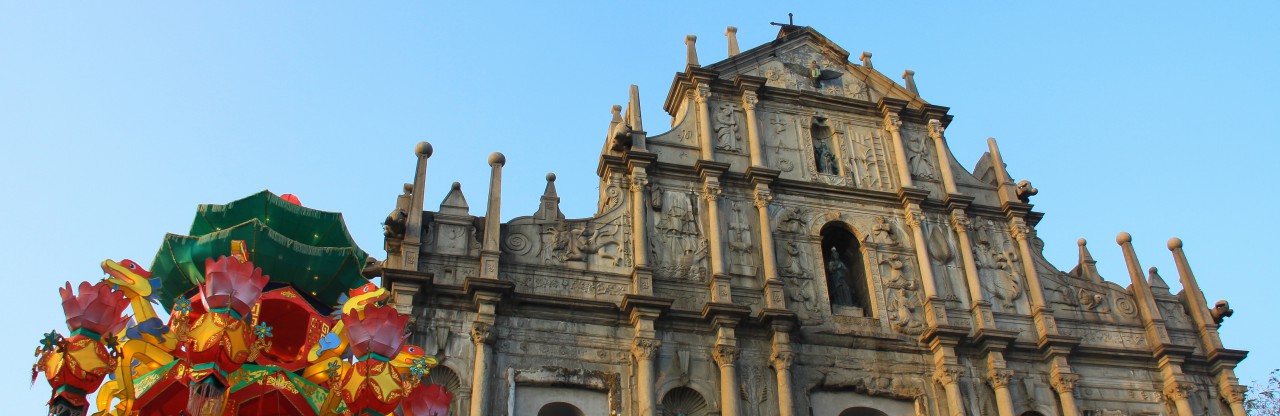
[
  {"x": 910, "y": 77},
  {"x": 454, "y": 203},
  {"x": 633, "y": 109},
  {"x": 690, "y": 42},
  {"x": 866, "y": 60},
  {"x": 1087, "y": 267},
  {"x": 549, "y": 208},
  {"x": 492, "y": 219},
  {"x": 732, "y": 33},
  {"x": 1157, "y": 283}
]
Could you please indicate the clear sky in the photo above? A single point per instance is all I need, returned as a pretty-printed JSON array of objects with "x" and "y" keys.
[{"x": 117, "y": 119}]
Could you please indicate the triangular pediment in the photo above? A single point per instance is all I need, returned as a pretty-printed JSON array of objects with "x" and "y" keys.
[{"x": 802, "y": 59}]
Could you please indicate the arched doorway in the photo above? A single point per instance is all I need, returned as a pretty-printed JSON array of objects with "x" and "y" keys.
[
  {"x": 683, "y": 401},
  {"x": 560, "y": 409},
  {"x": 843, "y": 263},
  {"x": 862, "y": 411}
]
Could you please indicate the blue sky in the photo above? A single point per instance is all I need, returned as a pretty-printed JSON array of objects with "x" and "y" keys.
[{"x": 118, "y": 119}]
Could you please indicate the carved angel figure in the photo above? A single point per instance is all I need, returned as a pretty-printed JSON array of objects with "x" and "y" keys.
[
  {"x": 817, "y": 76},
  {"x": 727, "y": 129}
]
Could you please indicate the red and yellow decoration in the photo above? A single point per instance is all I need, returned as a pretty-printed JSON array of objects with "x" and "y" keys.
[{"x": 268, "y": 313}]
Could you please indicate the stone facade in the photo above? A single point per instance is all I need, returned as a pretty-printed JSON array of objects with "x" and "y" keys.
[{"x": 800, "y": 242}]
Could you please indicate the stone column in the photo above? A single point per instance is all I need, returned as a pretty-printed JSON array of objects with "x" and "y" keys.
[
  {"x": 949, "y": 377},
  {"x": 1000, "y": 380},
  {"x": 774, "y": 292},
  {"x": 644, "y": 350},
  {"x": 944, "y": 158},
  {"x": 726, "y": 357},
  {"x": 1042, "y": 315},
  {"x": 413, "y": 223},
  {"x": 719, "y": 281},
  {"x": 936, "y": 314},
  {"x": 639, "y": 237},
  {"x": 782, "y": 366},
  {"x": 894, "y": 125},
  {"x": 981, "y": 309},
  {"x": 1065, "y": 385},
  {"x": 1180, "y": 393},
  {"x": 482, "y": 336},
  {"x": 749, "y": 101},
  {"x": 1234, "y": 394},
  {"x": 703, "y": 94},
  {"x": 489, "y": 250}
]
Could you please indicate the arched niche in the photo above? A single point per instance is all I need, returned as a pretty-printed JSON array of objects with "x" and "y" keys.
[
  {"x": 826, "y": 161},
  {"x": 845, "y": 269},
  {"x": 862, "y": 411},
  {"x": 684, "y": 401},
  {"x": 447, "y": 378},
  {"x": 560, "y": 409}
]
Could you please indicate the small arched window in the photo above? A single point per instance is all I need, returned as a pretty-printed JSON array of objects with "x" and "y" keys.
[
  {"x": 845, "y": 272},
  {"x": 862, "y": 411},
  {"x": 560, "y": 409}
]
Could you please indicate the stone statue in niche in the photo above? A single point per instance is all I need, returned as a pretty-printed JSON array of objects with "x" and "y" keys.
[
  {"x": 743, "y": 260},
  {"x": 919, "y": 163},
  {"x": 727, "y": 129},
  {"x": 679, "y": 250},
  {"x": 825, "y": 159},
  {"x": 838, "y": 279},
  {"x": 901, "y": 293}
]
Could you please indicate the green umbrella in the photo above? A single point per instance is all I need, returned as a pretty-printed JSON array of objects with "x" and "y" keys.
[
  {"x": 305, "y": 225},
  {"x": 322, "y": 272}
]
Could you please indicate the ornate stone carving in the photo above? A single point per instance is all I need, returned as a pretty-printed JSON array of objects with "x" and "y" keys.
[
  {"x": 892, "y": 123},
  {"x": 638, "y": 184},
  {"x": 799, "y": 283},
  {"x": 792, "y": 220},
  {"x": 870, "y": 160},
  {"x": 1064, "y": 383},
  {"x": 1181, "y": 390},
  {"x": 482, "y": 333},
  {"x": 882, "y": 232},
  {"x": 960, "y": 221},
  {"x": 763, "y": 197},
  {"x": 702, "y": 94},
  {"x": 727, "y": 137},
  {"x": 742, "y": 253},
  {"x": 903, "y": 303},
  {"x": 711, "y": 192},
  {"x": 725, "y": 354},
  {"x": 645, "y": 348},
  {"x": 679, "y": 250},
  {"x": 1001, "y": 378},
  {"x": 918, "y": 160},
  {"x": 782, "y": 360},
  {"x": 914, "y": 218},
  {"x": 749, "y": 100},
  {"x": 948, "y": 374},
  {"x": 1234, "y": 393},
  {"x": 1221, "y": 311}
]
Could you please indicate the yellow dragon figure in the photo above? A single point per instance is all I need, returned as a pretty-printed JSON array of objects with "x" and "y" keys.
[
  {"x": 331, "y": 346},
  {"x": 150, "y": 342}
]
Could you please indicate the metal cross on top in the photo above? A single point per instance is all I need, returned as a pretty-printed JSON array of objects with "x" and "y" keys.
[{"x": 790, "y": 21}]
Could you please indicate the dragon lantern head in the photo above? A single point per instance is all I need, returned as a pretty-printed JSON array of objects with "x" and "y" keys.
[
  {"x": 96, "y": 309},
  {"x": 356, "y": 300},
  {"x": 130, "y": 276},
  {"x": 380, "y": 332},
  {"x": 232, "y": 286}
]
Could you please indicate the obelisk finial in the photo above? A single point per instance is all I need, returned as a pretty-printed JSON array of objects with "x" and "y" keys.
[
  {"x": 732, "y": 33},
  {"x": 690, "y": 42}
]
